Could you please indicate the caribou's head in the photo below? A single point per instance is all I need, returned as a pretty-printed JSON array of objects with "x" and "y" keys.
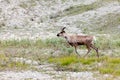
[{"x": 61, "y": 34}]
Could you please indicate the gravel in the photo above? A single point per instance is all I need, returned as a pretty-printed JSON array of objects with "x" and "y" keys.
[
  {"x": 34, "y": 75},
  {"x": 10, "y": 75},
  {"x": 47, "y": 72}
]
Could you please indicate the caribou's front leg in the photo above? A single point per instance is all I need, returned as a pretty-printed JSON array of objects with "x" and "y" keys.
[
  {"x": 89, "y": 49},
  {"x": 76, "y": 50}
]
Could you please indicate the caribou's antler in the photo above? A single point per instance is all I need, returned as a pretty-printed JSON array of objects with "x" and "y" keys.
[{"x": 63, "y": 28}]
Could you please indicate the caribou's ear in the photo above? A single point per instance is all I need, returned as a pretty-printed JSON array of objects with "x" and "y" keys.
[{"x": 63, "y": 28}]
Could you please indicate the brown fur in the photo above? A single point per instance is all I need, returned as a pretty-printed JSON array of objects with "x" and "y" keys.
[{"x": 76, "y": 40}]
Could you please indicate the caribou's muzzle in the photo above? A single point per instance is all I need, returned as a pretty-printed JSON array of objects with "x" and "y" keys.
[{"x": 58, "y": 35}]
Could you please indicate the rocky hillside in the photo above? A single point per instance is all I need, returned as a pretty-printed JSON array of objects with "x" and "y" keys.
[{"x": 44, "y": 18}]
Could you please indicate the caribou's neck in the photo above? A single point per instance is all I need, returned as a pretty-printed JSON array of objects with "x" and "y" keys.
[{"x": 67, "y": 37}]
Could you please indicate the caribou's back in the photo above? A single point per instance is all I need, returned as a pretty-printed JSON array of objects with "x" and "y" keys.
[{"x": 84, "y": 39}]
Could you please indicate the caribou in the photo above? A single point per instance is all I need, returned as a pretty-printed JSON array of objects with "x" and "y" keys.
[{"x": 76, "y": 40}]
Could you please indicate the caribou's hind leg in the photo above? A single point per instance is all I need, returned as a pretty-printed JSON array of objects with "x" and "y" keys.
[{"x": 96, "y": 49}]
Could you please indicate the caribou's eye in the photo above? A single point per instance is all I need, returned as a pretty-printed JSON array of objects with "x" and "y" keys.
[{"x": 63, "y": 32}]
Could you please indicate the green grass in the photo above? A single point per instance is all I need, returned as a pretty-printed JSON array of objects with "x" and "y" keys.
[
  {"x": 116, "y": 42},
  {"x": 28, "y": 4},
  {"x": 74, "y": 10},
  {"x": 78, "y": 9},
  {"x": 7, "y": 63},
  {"x": 66, "y": 59},
  {"x": 108, "y": 42},
  {"x": 103, "y": 42},
  {"x": 111, "y": 66},
  {"x": 110, "y": 0},
  {"x": 108, "y": 65}
]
